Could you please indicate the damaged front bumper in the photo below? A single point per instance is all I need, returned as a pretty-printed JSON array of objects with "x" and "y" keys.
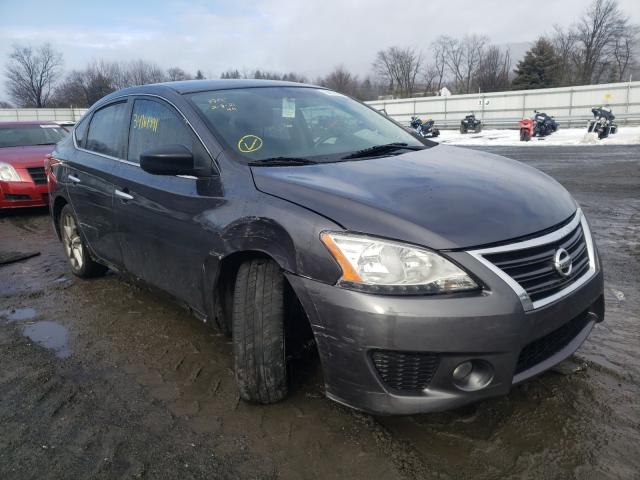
[{"x": 397, "y": 355}]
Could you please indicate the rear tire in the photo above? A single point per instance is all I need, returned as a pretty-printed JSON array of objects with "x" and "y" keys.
[
  {"x": 258, "y": 332},
  {"x": 75, "y": 248},
  {"x": 524, "y": 136}
]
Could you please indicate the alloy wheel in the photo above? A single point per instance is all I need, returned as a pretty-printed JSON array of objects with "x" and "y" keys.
[{"x": 72, "y": 242}]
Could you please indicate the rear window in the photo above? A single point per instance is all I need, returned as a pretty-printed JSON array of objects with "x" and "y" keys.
[
  {"x": 105, "y": 133},
  {"x": 30, "y": 135},
  {"x": 81, "y": 131}
]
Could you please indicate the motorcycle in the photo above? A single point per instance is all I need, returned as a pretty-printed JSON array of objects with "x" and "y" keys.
[
  {"x": 470, "y": 123},
  {"x": 424, "y": 129},
  {"x": 603, "y": 124},
  {"x": 540, "y": 125}
]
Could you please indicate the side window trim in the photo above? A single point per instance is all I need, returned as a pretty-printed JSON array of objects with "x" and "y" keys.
[{"x": 128, "y": 99}]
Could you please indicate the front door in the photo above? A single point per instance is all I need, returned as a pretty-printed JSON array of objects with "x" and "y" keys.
[{"x": 163, "y": 238}]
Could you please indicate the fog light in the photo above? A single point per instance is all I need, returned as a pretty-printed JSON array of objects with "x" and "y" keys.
[
  {"x": 472, "y": 375},
  {"x": 462, "y": 371}
]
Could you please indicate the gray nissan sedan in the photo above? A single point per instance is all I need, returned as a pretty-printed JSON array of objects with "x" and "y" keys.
[{"x": 427, "y": 276}]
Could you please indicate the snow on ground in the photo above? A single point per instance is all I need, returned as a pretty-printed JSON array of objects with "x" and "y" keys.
[{"x": 567, "y": 136}]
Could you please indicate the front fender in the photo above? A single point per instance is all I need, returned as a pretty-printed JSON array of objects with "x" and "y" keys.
[{"x": 277, "y": 228}]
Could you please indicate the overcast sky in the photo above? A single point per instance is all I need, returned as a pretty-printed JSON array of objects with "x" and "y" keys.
[{"x": 305, "y": 36}]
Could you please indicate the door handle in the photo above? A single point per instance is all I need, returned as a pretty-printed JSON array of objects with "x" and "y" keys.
[
  {"x": 73, "y": 179},
  {"x": 123, "y": 195}
]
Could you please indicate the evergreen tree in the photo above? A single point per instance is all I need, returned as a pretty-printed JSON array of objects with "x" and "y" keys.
[
  {"x": 538, "y": 68},
  {"x": 199, "y": 75}
]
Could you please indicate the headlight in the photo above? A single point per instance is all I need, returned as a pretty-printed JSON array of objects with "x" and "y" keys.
[
  {"x": 381, "y": 266},
  {"x": 8, "y": 173}
]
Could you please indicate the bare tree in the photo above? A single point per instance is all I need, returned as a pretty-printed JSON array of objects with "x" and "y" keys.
[
  {"x": 621, "y": 53},
  {"x": 176, "y": 73},
  {"x": 599, "y": 27},
  {"x": 141, "y": 72},
  {"x": 462, "y": 57},
  {"x": 341, "y": 81},
  {"x": 439, "y": 65},
  {"x": 429, "y": 80},
  {"x": 82, "y": 88},
  {"x": 492, "y": 73},
  {"x": 565, "y": 44},
  {"x": 399, "y": 67},
  {"x": 31, "y": 74},
  {"x": 4, "y": 104}
]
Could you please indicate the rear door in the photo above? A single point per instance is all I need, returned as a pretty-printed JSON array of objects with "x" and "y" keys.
[
  {"x": 164, "y": 240},
  {"x": 90, "y": 175}
]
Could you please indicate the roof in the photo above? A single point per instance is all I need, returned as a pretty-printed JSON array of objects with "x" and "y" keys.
[
  {"x": 26, "y": 123},
  {"x": 193, "y": 86},
  {"x": 190, "y": 86}
]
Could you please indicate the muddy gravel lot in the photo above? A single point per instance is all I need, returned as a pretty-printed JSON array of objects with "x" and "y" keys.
[{"x": 104, "y": 379}]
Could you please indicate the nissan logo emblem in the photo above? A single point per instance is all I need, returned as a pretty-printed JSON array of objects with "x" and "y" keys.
[{"x": 562, "y": 262}]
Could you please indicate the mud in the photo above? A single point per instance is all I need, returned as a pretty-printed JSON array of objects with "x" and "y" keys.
[{"x": 103, "y": 379}]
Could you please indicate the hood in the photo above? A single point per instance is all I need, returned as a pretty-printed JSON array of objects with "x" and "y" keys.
[
  {"x": 441, "y": 197},
  {"x": 25, "y": 156}
]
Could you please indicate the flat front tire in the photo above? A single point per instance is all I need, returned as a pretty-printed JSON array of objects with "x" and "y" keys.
[
  {"x": 80, "y": 261},
  {"x": 258, "y": 331}
]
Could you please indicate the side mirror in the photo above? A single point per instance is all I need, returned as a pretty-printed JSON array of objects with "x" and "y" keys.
[{"x": 168, "y": 160}]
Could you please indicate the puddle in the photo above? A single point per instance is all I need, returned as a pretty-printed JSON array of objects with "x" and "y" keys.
[
  {"x": 18, "y": 314},
  {"x": 49, "y": 335}
]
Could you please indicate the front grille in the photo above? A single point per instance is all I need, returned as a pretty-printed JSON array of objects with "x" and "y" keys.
[
  {"x": 405, "y": 371},
  {"x": 533, "y": 267},
  {"x": 37, "y": 175},
  {"x": 541, "y": 349}
]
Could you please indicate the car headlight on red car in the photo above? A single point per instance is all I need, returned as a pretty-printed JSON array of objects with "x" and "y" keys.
[
  {"x": 383, "y": 266},
  {"x": 8, "y": 173}
]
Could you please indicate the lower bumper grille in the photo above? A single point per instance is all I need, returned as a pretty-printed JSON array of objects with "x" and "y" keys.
[
  {"x": 37, "y": 175},
  {"x": 405, "y": 371},
  {"x": 541, "y": 349},
  {"x": 16, "y": 196}
]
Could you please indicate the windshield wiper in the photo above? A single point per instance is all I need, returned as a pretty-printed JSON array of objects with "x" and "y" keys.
[
  {"x": 382, "y": 149},
  {"x": 281, "y": 162}
]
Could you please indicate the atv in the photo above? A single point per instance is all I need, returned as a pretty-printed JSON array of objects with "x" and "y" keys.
[{"x": 470, "y": 123}]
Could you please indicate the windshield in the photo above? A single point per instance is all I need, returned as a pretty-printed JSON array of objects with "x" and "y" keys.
[
  {"x": 298, "y": 123},
  {"x": 29, "y": 135}
]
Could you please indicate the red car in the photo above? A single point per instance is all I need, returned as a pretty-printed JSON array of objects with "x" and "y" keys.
[{"x": 23, "y": 147}]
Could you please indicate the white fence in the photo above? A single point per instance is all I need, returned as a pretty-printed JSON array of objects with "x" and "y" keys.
[
  {"x": 570, "y": 105},
  {"x": 52, "y": 114}
]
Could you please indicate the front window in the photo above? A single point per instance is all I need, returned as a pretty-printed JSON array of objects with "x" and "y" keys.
[
  {"x": 264, "y": 123},
  {"x": 154, "y": 125},
  {"x": 30, "y": 135}
]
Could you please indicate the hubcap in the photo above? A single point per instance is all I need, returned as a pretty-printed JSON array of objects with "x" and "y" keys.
[{"x": 72, "y": 242}]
